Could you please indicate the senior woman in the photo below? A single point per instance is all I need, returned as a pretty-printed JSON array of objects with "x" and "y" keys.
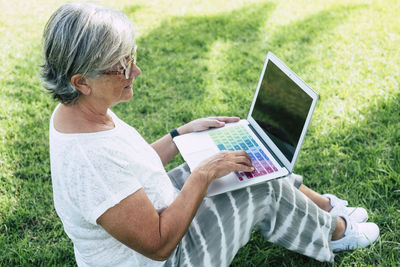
[{"x": 117, "y": 203}]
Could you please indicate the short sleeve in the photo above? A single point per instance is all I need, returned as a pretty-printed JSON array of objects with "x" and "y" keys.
[{"x": 99, "y": 178}]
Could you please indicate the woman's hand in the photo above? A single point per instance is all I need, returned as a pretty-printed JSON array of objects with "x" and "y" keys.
[
  {"x": 205, "y": 124},
  {"x": 224, "y": 163}
]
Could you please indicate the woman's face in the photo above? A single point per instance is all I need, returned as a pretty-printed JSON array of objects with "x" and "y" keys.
[{"x": 111, "y": 89}]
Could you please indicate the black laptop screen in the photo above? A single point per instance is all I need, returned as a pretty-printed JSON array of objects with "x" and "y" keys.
[{"x": 281, "y": 109}]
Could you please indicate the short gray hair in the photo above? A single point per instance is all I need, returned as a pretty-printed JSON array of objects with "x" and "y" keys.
[{"x": 82, "y": 38}]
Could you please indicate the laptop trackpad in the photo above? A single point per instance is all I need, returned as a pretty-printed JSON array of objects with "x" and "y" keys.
[
  {"x": 195, "y": 158},
  {"x": 193, "y": 142}
]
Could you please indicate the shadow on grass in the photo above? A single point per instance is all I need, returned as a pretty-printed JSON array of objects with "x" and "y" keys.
[
  {"x": 186, "y": 92},
  {"x": 298, "y": 40}
]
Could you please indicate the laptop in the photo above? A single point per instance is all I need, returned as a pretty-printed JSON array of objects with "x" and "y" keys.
[{"x": 272, "y": 135}]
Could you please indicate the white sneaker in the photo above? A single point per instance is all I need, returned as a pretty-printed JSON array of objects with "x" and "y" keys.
[
  {"x": 356, "y": 235},
  {"x": 339, "y": 208}
]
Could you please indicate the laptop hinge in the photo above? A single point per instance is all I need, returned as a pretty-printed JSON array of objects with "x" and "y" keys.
[{"x": 266, "y": 146}]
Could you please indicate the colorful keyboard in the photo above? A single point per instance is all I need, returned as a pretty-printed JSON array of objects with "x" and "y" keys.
[{"x": 237, "y": 138}]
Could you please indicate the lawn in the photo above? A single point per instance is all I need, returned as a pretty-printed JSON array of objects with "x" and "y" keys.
[{"x": 203, "y": 58}]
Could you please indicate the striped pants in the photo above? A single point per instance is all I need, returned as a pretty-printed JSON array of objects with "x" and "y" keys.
[{"x": 223, "y": 223}]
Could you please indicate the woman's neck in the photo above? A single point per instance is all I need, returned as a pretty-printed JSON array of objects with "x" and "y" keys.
[
  {"x": 82, "y": 118},
  {"x": 94, "y": 113}
]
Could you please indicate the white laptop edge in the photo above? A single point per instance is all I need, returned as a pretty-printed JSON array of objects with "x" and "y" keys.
[{"x": 289, "y": 165}]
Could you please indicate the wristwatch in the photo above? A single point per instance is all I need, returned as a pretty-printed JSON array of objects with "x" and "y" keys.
[{"x": 174, "y": 133}]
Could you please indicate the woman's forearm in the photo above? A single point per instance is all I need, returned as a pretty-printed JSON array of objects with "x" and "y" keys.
[
  {"x": 136, "y": 223},
  {"x": 165, "y": 146},
  {"x": 175, "y": 220}
]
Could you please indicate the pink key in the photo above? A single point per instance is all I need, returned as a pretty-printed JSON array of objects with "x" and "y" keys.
[
  {"x": 248, "y": 174},
  {"x": 260, "y": 169},
  {"x": 273, "y": 166}
]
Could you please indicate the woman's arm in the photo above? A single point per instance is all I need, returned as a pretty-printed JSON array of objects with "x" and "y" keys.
[
  {"x": 136, "y": 223},
  {"x": 166, "y": 148}
]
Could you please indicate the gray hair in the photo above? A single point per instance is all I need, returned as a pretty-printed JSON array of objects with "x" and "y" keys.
[{"x": 82, "y": 38}]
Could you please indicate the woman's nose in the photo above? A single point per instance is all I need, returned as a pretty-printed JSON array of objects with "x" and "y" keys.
[{"x": 135, "y": 71}]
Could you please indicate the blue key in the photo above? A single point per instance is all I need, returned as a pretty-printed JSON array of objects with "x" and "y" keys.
[
  {"x": 254, "y": 142},
  {"x": 243, "y": 146},
  {"x": 221, "y": 147},
  {"x": 265, "y": 156},
  {"x": 259, "y": 157},
  {"x": 252, "y": 157}
]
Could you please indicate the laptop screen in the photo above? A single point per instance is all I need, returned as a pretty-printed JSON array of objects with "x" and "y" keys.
[{"x": 281, "y": 109}]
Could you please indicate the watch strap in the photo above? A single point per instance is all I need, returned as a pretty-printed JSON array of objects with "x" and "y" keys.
[{"x": 174, "y": 133}]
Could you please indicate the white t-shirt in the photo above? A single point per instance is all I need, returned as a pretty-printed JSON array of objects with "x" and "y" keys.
[{"x": 92, "y": 172}]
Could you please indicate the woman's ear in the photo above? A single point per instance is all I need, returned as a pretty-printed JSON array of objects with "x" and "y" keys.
[{"x": 80, "y": 83}]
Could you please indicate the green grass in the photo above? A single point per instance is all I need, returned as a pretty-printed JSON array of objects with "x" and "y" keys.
[{"x": 203, "y": 58}]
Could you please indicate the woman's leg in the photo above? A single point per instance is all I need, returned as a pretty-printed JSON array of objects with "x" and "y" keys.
[
  {"x": 224, "y": 223},
  {"x": 321, "y": 201},
  {"x": 325, "y": 204},
  {"x": 300, "y": 225}
]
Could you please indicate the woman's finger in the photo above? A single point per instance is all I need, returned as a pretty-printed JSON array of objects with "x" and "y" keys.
[
  {"x": 241, "y": 153},
  {"x": 226, "y": 119},
  {"x": 240, "y": 157},
  {"x": 214, "y": 123},
  {"x": 244, "y": 160},
  {"x": 243, "y": 168}
]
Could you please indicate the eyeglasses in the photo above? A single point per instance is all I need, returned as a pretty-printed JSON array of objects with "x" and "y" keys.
[{"x": 126, "y": 69}]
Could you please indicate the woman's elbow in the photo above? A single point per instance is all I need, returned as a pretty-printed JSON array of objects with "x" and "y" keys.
[
  {"x": 157, "y": 251},
  {"x": 160, "y": 254},
  {"x": 160, "y": 257}
]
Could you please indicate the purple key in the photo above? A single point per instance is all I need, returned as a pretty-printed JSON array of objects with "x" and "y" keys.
[
  {"x": 268, "y": 160},
  {"x": 273, "y": 166},
  {"x": 239, "y": 176},
  {"x": 266, "y": 166}
]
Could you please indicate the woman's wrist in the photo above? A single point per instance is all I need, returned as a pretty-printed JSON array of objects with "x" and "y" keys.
[
  {"x": 204, "y": 174},
  {"x": 183, "y": 129}
]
